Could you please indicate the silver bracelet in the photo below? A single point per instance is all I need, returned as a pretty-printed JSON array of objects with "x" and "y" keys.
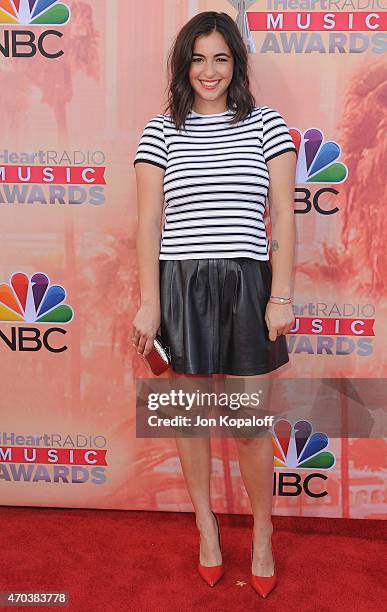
[{"x": 281, "y": 299}]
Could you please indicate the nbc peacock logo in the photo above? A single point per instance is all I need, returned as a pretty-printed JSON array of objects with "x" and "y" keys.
[
  {"x": 34, "y": 12},
  {"x": 317, "y": 161},
  {"x": 298, "y": 447},
  {"x": 26, "y": 43},
  {"x": 33, "y": 300}
]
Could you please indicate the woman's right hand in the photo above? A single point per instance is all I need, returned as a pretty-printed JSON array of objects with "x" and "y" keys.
[{"x": 146, "y": 324}]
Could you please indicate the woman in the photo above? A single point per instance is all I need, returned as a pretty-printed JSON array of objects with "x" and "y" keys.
[{"x": 208, "y": 285}]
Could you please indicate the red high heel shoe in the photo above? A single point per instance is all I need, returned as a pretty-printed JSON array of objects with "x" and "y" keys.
[
  {"x": 212, "y": 574},
  {"x": 263, "y": 585}
]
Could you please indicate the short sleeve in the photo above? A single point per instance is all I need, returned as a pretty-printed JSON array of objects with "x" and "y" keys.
[
  {"x": 152, "y": 147},
  {"x": 276, "y": 137}
]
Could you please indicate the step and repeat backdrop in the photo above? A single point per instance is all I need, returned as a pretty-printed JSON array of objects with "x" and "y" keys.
[{"x": 79, "y": 81}]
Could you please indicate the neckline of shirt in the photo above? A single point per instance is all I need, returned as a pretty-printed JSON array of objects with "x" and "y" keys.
[{"x": 195, "y": 114}]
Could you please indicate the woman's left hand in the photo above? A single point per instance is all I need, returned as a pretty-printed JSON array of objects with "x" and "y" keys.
[{"x": 279, "y": 319}]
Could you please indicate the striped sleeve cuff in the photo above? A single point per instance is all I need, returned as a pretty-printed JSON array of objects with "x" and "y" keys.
[
  {"x": 276, "y": 138},
  {"x": 152, "y": 148}
]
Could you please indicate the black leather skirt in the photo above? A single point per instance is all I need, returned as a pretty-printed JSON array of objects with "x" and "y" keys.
[{"x": 213, "y": 316}]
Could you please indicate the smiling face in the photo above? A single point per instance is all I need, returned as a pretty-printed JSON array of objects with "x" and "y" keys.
[{"x": 210, "y": 73}]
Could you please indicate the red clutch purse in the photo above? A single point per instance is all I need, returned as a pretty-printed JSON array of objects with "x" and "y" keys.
[{"x": 159, "y": 358}]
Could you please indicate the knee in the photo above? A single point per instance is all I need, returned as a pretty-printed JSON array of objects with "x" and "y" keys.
[
  {"x": 248, "y": 443},
  {"x": 255, "y": 443}
]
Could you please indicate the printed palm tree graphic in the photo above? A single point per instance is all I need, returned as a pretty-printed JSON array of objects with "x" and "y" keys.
[
  {"x": 361, "y": 256},
  {"x": 81, "y": 54},
  {"x": 54, "y": 78},
  {"x": 114, "y": 267},
  {"x": 360, "y": 259}
]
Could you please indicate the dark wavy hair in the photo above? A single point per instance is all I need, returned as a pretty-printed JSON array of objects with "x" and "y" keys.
[{"x": 179, "y": 90}]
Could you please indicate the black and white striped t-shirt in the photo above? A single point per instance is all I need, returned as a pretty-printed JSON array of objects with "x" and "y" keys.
[{"x": 216, "y": 181}]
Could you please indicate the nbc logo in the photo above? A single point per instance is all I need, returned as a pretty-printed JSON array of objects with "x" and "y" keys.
[
  {"x": 33, "y": 12},
  {"x": 317, "y": 164},
  {"x": 33, "y": 300},
  {"x": 26, "y": 43},
  {"x": 296, "y": 447},
  {"x": 316, "y": 160}
]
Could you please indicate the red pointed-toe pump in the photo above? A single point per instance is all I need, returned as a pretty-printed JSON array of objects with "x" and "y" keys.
[
  {"x": 263, "y": 585},
  {"x": 212, "y": 574}
]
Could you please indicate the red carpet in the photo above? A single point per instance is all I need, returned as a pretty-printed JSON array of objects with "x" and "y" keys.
[{"x": 113, "y": 560}]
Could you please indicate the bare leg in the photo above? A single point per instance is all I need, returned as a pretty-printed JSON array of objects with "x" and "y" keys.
[
  {"x": 256, "y": 467},
  {"x": 195, "y": 459}
]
